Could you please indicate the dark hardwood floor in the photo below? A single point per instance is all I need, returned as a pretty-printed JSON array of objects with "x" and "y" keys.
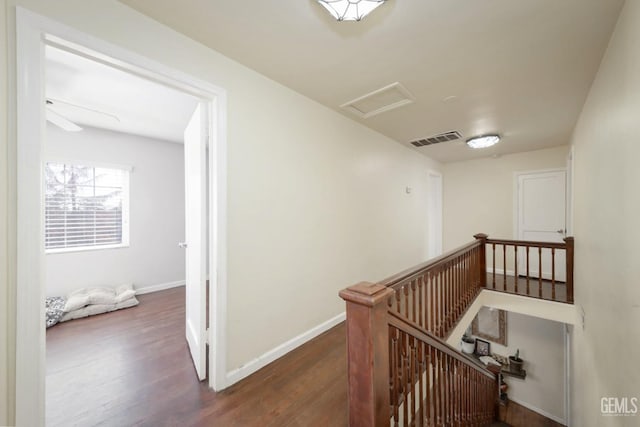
[
  {"x": 132, "y": 368},
  {"x": 507, "y": 283}
]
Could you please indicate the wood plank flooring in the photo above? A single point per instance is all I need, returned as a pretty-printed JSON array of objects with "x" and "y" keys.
[
  {"x": 132, "y": 368},
  {"x": 507, "y": 284}
]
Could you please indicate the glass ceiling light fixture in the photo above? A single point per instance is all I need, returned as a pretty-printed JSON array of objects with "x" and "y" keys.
[
  {"x": 483, "y": 141},
  {"x": 350, "y": 10}
]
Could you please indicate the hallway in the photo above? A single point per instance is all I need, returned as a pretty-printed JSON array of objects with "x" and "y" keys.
[{"x": 132, "y": 368}]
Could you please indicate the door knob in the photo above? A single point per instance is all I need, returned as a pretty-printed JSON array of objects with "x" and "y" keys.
[
  {"x": 560, "y": 231},
  {"x": 183, "y": 245}
]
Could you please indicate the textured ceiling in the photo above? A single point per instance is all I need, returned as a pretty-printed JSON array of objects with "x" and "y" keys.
[{"x": 519, "y": 68}]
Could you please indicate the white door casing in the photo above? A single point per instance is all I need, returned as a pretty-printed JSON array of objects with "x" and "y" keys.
[
  {"x": 33, "y": 31},
  {"x": 195, "y": 143},
  {"x": 541, "y": 217},
  {"x": 570, "y": 193}
]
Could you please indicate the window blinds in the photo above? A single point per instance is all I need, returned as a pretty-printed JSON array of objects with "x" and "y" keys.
[{"x": 84, "y": 206}]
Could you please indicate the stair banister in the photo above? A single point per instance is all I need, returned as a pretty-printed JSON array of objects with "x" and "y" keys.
[
  {"x": 368, "y": 353},
  {"x": 395, "y": 332},
  {"x": 569, "y": 259},
  {"x": 482, "y": 238}
]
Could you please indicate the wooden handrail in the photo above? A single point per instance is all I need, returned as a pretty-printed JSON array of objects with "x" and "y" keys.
[
  {"x": 529, "y": 243},
  {"x": 400, "y": 367},
  {"x": 430, "y": 383},
  {"x": 436, "y": 293},
  {"x": 409, "y": 273},
  {"x": 435, "y": 342},
  {"x": 532, "y": 282}
]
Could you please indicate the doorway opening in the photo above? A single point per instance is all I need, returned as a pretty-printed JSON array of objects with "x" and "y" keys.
[
  {"x": 434, "y": 218},
  {"x": 36, "y": 34},
  {"x": 114, "y": 211}
]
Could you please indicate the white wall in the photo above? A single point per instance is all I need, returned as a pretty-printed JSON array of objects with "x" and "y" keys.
[
  {"x": 542, "y": 346},
  {"x": 479, "y": 194},
  {"x": 156, "y": 217},
  {"x": 607, "y": 149},
  {"x": 316, "y": 201}
]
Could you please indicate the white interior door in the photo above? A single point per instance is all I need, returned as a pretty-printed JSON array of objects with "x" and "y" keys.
[
  {"x": 542, "y": 218},
  {"x": 195, "y": 141},
  {"x": 434, "y": 224}
]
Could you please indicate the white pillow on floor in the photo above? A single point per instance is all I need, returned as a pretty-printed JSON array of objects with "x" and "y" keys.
[{"x": 98, "y": 296}]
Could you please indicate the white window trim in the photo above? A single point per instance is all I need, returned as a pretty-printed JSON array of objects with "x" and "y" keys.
[
  {"x": 84, "y": 249},
  {"x": 89, "y": 163},
  {"x": 126, "y": 197}
]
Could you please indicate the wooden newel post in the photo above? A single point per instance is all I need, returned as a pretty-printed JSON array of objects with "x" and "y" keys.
[
  {"x": 368, "y": 354},
  {"x": 482, "y": 265},
  {"x": 569, "y": 242}
]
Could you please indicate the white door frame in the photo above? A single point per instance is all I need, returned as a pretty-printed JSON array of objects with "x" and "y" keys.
[
  {"x": 435, "y": 216},
  {"x": 570, "y": 178},
  {"x": 567, "y": 373},
  {"x": 33, "y": 31}
]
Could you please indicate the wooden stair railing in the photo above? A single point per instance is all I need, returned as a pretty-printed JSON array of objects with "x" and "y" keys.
[
  {"x": 401, "y": 372},
  {"x": 433, "y": 384},
  {"x": 400, "y": 375},
  {"x": 435, "y": 294},
  {"x": 531, "y": 269}
]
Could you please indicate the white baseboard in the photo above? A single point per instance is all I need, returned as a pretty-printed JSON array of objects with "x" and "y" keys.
[
  {"x": 279, "y": 351},
  {"x": 158, "y": 287},
  {"x": 501, "y": 271},
  {"x": 540, "y": 411}
]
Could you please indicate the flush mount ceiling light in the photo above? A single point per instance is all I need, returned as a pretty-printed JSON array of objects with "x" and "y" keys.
[
  {"x": 483, "y": 141},
  {"x": 350, "y": 10}
]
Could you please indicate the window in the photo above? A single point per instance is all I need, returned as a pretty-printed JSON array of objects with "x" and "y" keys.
[{"x": 86, "y": 207}]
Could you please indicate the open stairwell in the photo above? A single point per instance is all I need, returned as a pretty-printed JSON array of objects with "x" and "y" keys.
[
  {"x": 402, "y": 333},
  {"x": 549, "y": 310}
]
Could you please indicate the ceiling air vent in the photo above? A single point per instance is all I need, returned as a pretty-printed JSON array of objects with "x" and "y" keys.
[
  {"x": 387, "y": 98},
  {"x": 437, "y": 139}
]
